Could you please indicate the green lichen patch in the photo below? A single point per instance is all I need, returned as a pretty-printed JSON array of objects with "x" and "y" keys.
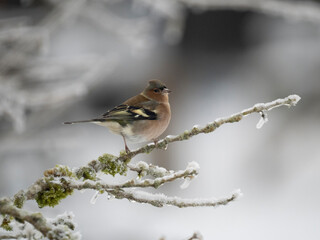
[
  {"x": 86, "y": 173},
  {"x": 6, "y": 223},
  {"x": 19, "y": 200},
  {"x": 148, "y": 149},
  {"x": 52, "y": 195},
  {"x": 123, "y": 154},
  {"x": 111, "y": 165},
  {"x": 157, "y": 183},
  {"x": 58, "y": 171}
]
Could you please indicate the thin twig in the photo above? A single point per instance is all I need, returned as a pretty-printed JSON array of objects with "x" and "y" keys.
[
  {"x": 291, "y": 100},
  {"x": 68, "y": 179},
  {"x": 134, "y": 183},
  {"x": 11, "y": 236},
  {"x": 160, "y": 200},
  {"x": 36, "y": 219}
]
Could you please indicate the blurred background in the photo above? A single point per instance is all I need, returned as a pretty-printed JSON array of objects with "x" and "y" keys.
[{"x": 75, "y": 59}]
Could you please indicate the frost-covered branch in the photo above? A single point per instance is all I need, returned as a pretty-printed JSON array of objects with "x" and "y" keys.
[
  {"x": 61, "y": 181},
  {"x": 160, "y": 200},
  {"x": 190, "y": 172},
  {"x": 289, "y": 101},
  {"x": 11, "y": 236},
  {"x": 59, "y": 228},
  {"x": 36, "y": 219}
]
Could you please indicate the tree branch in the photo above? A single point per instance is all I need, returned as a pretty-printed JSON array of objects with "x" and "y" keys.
[
  {"x": 189, "y": 172},
  {"x": 160, "y": 200},
  {"x": 11, "y": 236},
  {"x": 58, "y": 228},
  {"x": 289, "y": 101},
  {"x": 61, "y": 181},
  {"x": 36, "y": 219}
]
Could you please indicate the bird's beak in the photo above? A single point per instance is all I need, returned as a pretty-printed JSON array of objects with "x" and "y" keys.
[{"x": 166, "y": 90}]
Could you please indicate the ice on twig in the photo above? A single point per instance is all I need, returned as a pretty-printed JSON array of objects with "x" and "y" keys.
[
  {"x": 192, "y": 166},
  {"x": 94, "y": 198},
  {"x": 170, "y": 137},
  {"x": 263, "y": 120},
  {"x": 110, "y": 196},
  {"x": 186, "y": 183},
  {"x": 150, "y": 144},
  {"x": 165, "y": 147}
]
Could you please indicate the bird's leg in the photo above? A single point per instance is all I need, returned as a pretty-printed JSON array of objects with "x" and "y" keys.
[
  {"x": 155, "y": 141},
  {"x": 125, "y": 144}
]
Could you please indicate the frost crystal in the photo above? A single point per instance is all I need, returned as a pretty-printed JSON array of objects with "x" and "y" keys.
[
  {"x": 294, "y": 98},
  {"x": 159, "y": 171},
  {"x": 143, "y": 165},
  {"x": 262, "y": 121},
  {"x": 110, "y": 196},
  {"x": 63, "y": 227},
  {"x": 186, "y": 183},
  {"x": 94, "y": 198},
  {"x": 193, "y": 166}
]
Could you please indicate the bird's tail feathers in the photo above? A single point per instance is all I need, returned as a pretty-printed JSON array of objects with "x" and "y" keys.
[{"x": 83, "y": 121}]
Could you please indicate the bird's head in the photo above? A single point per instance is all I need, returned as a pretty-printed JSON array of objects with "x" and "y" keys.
[{"x": 156, "y": 90}]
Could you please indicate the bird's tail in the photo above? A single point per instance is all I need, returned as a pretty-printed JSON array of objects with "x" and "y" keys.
[{"x": 83, "y": 121}]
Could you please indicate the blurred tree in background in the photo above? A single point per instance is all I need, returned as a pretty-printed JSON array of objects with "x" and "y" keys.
[{"x": 62, "y": 60}]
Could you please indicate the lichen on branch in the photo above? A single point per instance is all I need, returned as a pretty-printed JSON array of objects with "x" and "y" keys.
[{"x": 61, "y": 181}]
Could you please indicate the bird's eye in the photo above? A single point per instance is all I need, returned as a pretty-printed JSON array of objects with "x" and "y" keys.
[{"x": 156, "y": 90}]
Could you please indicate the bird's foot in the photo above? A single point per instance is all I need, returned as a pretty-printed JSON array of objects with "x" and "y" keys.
[
  {"x": 155, "y": 141},
  {"x": 127, "y": 149}
]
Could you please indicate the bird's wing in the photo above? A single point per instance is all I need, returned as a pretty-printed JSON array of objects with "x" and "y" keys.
[{"x": 129, "y": 113}]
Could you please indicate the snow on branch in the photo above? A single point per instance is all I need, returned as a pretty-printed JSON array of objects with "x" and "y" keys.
[
  {"x": 59, "y": 228},
  {"x": 160, "y": 200},
  {"x": 260, "y": 108},
  {"x": 61, "y": 181}
]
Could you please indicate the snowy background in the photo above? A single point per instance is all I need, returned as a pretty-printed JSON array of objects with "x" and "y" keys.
[{"x": 72, "y": 60}]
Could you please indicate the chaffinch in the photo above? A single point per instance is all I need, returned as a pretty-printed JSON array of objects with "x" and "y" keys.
[{"x": 141, "y": 118}]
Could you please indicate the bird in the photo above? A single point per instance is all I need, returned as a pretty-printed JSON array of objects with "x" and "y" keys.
[{"x": 141, "y": 118}]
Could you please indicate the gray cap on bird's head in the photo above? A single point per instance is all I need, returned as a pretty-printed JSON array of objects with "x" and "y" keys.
[{"x": 157, "y": 85}]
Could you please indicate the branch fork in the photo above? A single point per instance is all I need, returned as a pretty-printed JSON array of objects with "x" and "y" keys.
[{"x": 61, "y": 181}]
